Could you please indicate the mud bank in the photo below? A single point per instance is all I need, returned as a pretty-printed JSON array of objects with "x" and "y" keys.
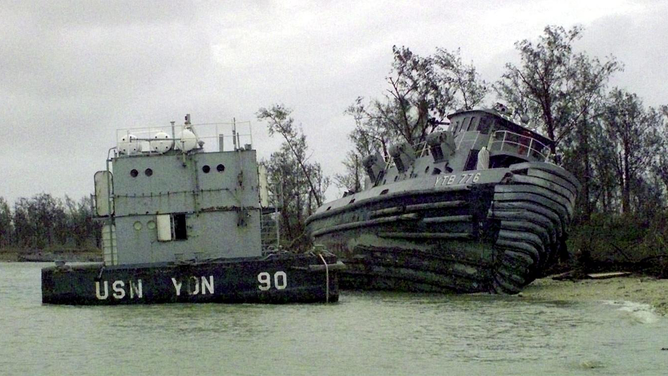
[{"x": 640, "y": 289}]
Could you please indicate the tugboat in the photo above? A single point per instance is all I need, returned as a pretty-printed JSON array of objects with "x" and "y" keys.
[
  {"x": 182, "y": 224},
  {"x": 475, "y": 208}
]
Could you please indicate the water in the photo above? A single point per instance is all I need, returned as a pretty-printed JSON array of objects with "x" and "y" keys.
[{"x": 364, "y": 334}]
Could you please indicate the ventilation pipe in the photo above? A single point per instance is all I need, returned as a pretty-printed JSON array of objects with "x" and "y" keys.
[
  {"x": 441, "y": 145},
  {"x": 374, "y": 165},
  {"x": 403, "y": 156}
]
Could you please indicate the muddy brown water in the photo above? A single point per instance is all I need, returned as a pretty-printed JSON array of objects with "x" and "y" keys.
[{"x": 364, "y": 334}]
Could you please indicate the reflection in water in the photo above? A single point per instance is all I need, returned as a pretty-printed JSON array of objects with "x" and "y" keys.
[{"x": 365, "y": 333}]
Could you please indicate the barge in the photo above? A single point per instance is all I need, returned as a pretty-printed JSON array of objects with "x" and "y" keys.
[{"x": 183, "y": 224}]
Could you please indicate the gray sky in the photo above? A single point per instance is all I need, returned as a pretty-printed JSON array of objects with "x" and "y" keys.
[{"x": 73, "y": 72}]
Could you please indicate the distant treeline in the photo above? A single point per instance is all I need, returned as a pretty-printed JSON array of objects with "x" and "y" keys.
[{"x": 44, "y": 221}]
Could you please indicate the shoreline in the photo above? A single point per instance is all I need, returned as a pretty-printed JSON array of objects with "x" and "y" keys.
[
  {"x": 51, "y": 256},
  {"x": 634, "y": 288}
]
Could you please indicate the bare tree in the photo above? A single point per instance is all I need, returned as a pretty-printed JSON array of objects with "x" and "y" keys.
[
  {"x": 280, "y": 122},
  {"x": 553, "y": 84},
  {"x": 421, "y": 92},
  {"x": 298, "y": 186},
  {"x": 633, "y": 131}
]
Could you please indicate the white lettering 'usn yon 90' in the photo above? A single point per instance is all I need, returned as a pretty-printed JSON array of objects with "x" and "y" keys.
[{"x": 280, "y": 280}]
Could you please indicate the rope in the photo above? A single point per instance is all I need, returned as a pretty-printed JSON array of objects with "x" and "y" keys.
[{"x": 326, "y": 277}]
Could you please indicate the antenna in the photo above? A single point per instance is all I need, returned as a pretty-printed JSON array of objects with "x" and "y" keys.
[{"x": 234, "y": 132}]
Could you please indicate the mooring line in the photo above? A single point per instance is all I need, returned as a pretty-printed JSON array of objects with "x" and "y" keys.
[{"x": 326, "y": 277}]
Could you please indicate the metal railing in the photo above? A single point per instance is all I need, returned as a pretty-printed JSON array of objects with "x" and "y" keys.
[
  {"x": 519, "y": 144},
  {"x": 217, "y": 136}
]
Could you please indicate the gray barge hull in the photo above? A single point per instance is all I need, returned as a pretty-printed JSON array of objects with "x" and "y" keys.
[
  {"x": 476, "y": 231},
  {"x": 277, "y": 279}
]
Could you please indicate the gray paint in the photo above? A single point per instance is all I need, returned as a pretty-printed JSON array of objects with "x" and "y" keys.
[{"x": 222, "y": 208}]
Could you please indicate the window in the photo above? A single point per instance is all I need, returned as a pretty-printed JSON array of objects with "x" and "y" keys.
[
  {"x": 473, "y": 124},
  {"x": 485, "y": 125},
  {"x": 472, "y": 160},
  {"x": 465, "y": 123}
]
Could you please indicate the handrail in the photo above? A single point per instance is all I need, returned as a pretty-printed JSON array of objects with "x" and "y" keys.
[
  {"x": 520, "y": 144},
  {"x": 212, "y": 133}
]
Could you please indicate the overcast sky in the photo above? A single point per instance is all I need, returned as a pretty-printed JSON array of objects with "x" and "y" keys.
[{"x": 72, "y": 72}]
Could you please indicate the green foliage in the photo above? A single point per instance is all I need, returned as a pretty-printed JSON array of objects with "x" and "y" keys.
[
  {"x": 632, "y": 131},
  {"x": 45, "y": 222},
  {"x": 296, "y": 186},
  {"x": 6, "y": 225},
  {"x": 553, "y": 84},
  {"x": 624, "y": 240},
  {"x": 422, "y": 91}
]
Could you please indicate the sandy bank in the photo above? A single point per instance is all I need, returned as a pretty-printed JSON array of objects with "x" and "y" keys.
[{"x": 639, "y": 289}]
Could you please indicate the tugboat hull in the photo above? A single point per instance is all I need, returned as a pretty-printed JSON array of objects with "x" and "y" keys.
[
  {"x": 275, "y": 279},
  {"x": 478, "y": 231}
]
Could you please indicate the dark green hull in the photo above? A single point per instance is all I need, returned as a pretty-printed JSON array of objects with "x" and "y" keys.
[
  {"x": 493, "y": 235},
  {"x": 277, "y": 279}
]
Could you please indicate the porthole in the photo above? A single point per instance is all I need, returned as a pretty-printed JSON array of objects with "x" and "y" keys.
[
  {"x": 137, "y": 225},
  {"x": 396, "y": 177},
  {"x": 220, "y": 168},
  {"x": 206, "y": 169},
  {"x": 426, "y": 170},
  {"x": 384, "y": 192},
  {"x": 148, "y": 172},
  {"x": 351, "y": 201},
  {"x": 134, "y": 173},
  {"x": 329, "y": 207},
  {"x": 151, "y": 225}
]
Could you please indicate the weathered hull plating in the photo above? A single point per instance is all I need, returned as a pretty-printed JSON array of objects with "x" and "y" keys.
[
  {"x": 277, "y": 279},
  {"x": 494, "y": 234}
]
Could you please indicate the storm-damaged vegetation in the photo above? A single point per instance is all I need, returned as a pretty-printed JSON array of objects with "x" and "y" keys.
[
  {"x": 614, "y": 143},
  {"x": 43, "y": 225},
  {"x": 606, "y": 136}
]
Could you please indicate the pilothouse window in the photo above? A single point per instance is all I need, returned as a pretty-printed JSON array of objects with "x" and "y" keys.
[
  {"x": 466, "y": 123},
  {"x": 473, "y": 124},
  {"x": 485, "y": 125}
]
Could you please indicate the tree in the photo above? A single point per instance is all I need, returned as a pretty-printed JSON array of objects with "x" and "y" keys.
[
  {"x": 6, "y": 226},
  {"x": 553, "y": 84},
  {"x": 24, "y": 228},
  {"x": 297, "y": 186},
  {"x": 633, "y": 132},
  {"x": 280, "y": 122},
  {"x": 422, "y": 91},
  {"x": 81, "y": 226}
]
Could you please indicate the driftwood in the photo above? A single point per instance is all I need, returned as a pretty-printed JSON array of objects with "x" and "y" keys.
[
  {"x": 608, "y": 275},
  {"x": 576, "y": 275}
]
